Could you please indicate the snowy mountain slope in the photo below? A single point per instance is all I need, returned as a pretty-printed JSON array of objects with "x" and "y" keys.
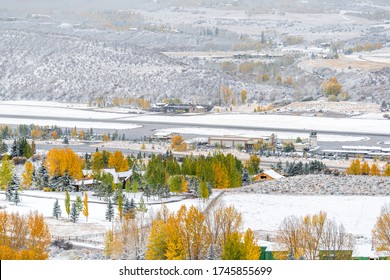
[{"x": 52, "y": 66}]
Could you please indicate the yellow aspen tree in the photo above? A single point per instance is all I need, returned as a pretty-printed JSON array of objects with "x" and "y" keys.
[
  {"x": 73, "y": 133},
  {"x": 60, "y": 160},
  {"x": 6, "y": 171},
  {"x": 354, "y": 168},
  {"x": 157, "y": 245},
  {"x": 118, "y": 161},
  {"x": 23, "y": 237},
  {"x": 36, "y": 133},
  {"x": 386, "y": 170},
  {"x": 374, "y": 171},
  {"x": 251, "y": 249},
  {"x": 195, "y": 234},
  {"x": 39, "y": 237},
  {"x": 233, "y": 248},
  {"x": 244, "y": 96},
  {"x": 175, "y": 242},
  {"x": 85, "y": 208},
  {"x": 27, "y": 175},
  {"x": 381, "y": 231},
  {"x": 178, "y": 144},
  {"x": 81, "y": 134},
  {"x": 97, "y": 163},
  {"x": 311, "y": 230},
  {"x": 54, "y": 134},
  {"x": 365, "y": 169},
  {"x": 108, "y": 239}
]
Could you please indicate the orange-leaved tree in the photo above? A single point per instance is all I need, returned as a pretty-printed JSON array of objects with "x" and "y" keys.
[
  {"x": 23, "y": 237},
  {"x": 60, "y": 160},
  {"x": 118, "y": 161}
]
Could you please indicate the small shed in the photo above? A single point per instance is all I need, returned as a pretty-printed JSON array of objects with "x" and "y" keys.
[{"x": 268, "y": 175}]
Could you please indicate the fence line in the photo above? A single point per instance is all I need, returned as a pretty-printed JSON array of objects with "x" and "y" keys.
[{"x": 81, "y": 238}]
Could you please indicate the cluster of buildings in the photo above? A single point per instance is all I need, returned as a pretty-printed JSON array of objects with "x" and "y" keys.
[
  {"x": 179, "y": 108},
  {"x": 365, "y": 151},
  {"x": 248, "y": 142}
]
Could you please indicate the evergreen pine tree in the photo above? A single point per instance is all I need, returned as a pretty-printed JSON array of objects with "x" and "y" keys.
[
  {"x": 54, "y": 183},
  {"x": 147, "y": 192},
  {"x": 79, "y": 204},
  {"x": 74, "y": 213},
  {"x": 66, "y": 181},
  {"x": 56, "y": 210},
  {"x": 3, "y": 147},
  {"x": 16, "y": 197},
  {"x": 290, "y": 256},
  {"x": 43, "y": 177},
  {"x": 299, "y": 168},
  {"x": 66, "y": 140},
  {"x": 279, "y": 166},
  {"x": 212, "y": 254},
  {"x": 245, "y": 176},
  {"x": 9, "y": 193},
  {"x": 109, "y": 211},
  {"x": 82, "y": 187},
  {"x": 306, "y": 169},
  {"x": 14, "y": 149},
  {"x": 14, "y": 184},
  {"x": 126, "y": 206},
  {"x": 133, "y": 209}
]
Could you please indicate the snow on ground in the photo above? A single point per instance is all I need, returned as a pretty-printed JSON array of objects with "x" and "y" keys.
[
  {"x": 43, "y": 203},
  {"x": 50, "y": 110},
  {"x": 255, "y": 133},
  {"x": 45, "y": 104},
  {"x": 266, "y": 212},
  {"x": 277, "y": 121},
  {"x": 371, "y": 116},
  {"x": 78, "y": 124}
]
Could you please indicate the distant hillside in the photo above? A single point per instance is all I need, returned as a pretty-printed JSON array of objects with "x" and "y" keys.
[{"x": 43, "y": 65}]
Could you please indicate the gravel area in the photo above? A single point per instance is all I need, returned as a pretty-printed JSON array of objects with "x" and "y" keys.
[{"x": 323, "y": 185}]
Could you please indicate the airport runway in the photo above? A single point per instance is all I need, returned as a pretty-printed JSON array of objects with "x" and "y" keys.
[{"x": 148, "y": 128}]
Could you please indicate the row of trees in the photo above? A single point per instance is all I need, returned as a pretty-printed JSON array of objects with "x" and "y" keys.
[
  {"x": 36, "y": 132},
  {"x": 305, "y": 237},
  {"x": 72, "y": 210},
  {"x": 363, "y": 168},
  {"x": 300, "y": 168},
  {"x": 23, "y": 237},
  {"x": 219, "y": 170},
  {"x": 187, "y": 234},
  {"x": 106, "y": 159}
]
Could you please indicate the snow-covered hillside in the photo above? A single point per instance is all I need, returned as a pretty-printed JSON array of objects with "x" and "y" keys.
[{"x": 58, "y": 66}]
